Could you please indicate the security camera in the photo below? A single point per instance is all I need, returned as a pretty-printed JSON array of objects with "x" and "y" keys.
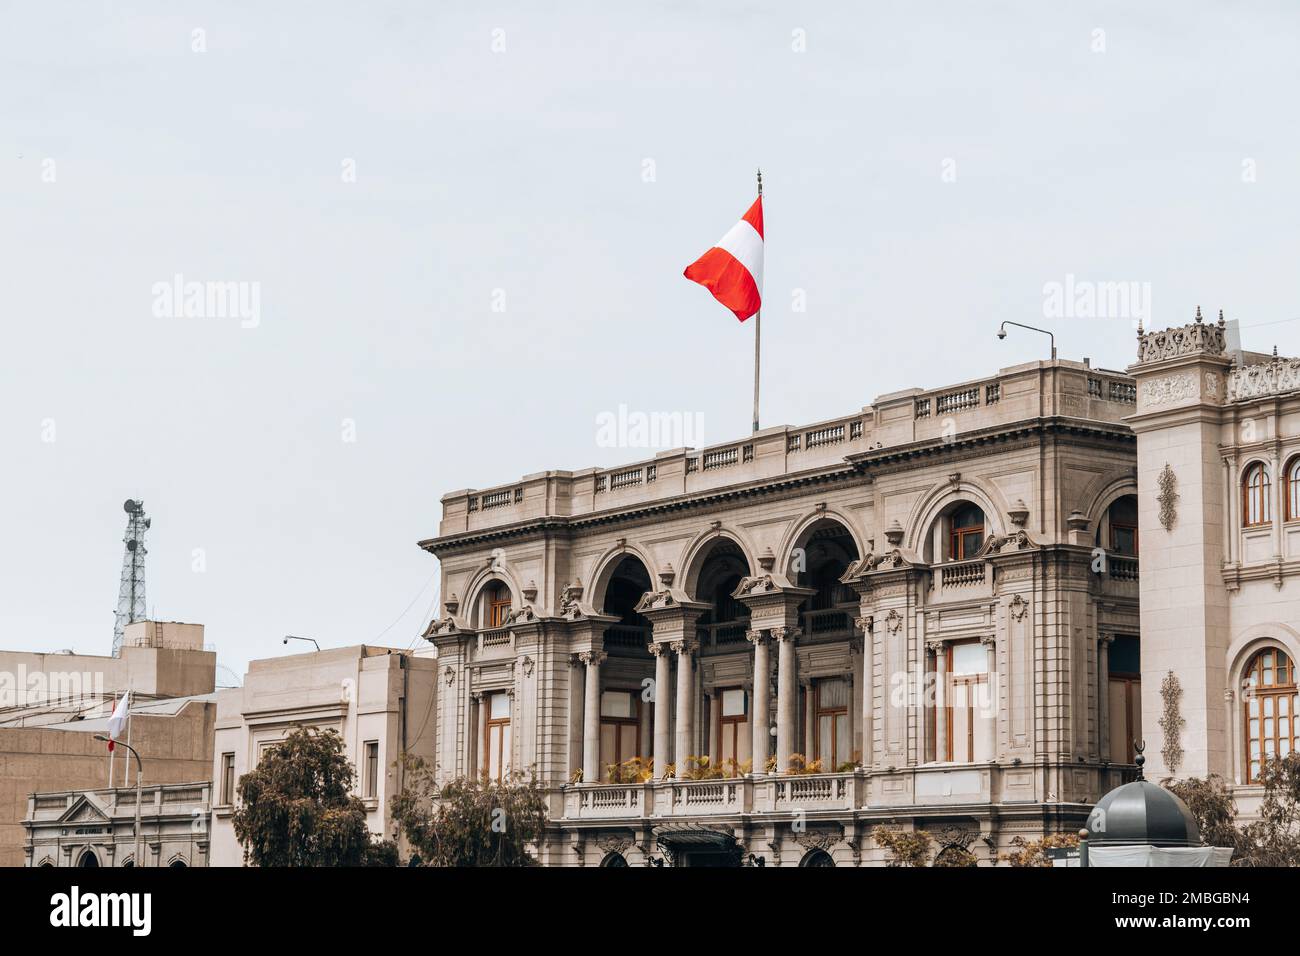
[{"x": 1002, "y": 333}]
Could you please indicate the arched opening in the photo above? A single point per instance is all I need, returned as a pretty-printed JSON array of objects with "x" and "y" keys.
[
  {"x": 177, "y": 864},
  {"x": 1255, "y": 486},
  {"x": 626, "y": 718},
  {"x": 957, "y": 534},
  {"x": 44, "y": 863},
  {"x": 494, "y": 605},
  {"x": 821, "y": 556},
  {"x": 129, "y": 864},
  {"x": 88, "y": 859},
  {"x": 817, "y": 858},
  {"x": 1269, "y": 703},
  {"x": 1117, "y": 532},
  {"x": 614, "y": 860},
  {"x": 721, "y": 571}
]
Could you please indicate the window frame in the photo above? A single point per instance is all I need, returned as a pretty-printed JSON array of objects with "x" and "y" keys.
[
  {"x": 957, "y": 534},
  {"x": 498, "y": 607},
  {"x": 1259, "y": 692},
  {"x": 820, "y": 711},
  {"x": 1256, "y": 495},
  {"x": 370, "y": 750},
  {"x": 618, "y": 723},
  {"x": 972, "y": 681},
  {"x": 489, "y": 723},
  {"x": 1291, "y": 490},
  {"x": 228, "y": 779},
  {"x": 730, "y": 724}
]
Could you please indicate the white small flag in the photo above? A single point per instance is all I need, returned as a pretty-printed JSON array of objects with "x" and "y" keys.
[{"x": 118, "y": 721}]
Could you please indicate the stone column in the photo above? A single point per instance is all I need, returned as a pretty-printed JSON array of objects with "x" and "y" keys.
[
  {"x": 685, "y": 651},
  {"x": 662, "y": 741},
  {"x": 591, "y": 717},
  {"x": 992, "y": 697},
  {"x": 760, "y": 717},
  {"x": 1103, "y": 695},
  {"x": 715, "y": 727},
  {"x": 477, "y": 742},
  {"x": 787, "y": 695},
  {"x": 867, "y": 694},
  {"x": 940, "y": 700}
]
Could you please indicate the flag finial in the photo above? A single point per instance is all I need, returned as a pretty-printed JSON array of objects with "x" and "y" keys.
[{"x": 760, "y": 182}]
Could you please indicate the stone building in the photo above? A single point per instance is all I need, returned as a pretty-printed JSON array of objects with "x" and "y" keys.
[
  {"x": 93, "y": 828},
  {"x": 53, "y": 705},
  {"x": 1218, "y": 450},
  {"x": 923, "y": 615},
  {"x": 379, "y": 699}
]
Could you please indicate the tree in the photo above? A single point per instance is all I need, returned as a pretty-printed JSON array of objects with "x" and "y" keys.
[
  {"x": 297, "y": 807},
  {"x": 1034, "y": 853},
  {"x": 468, "y": 821},
  {"x": 906, "y": 848},
  {"x": 1214, "y": 811},
  {"x": 1274, "y": 838}
]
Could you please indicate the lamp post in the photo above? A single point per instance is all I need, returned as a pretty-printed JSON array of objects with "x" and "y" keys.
[
  {"x": 291, "y": 637},
  {"x": 1002, "y": 333},
  {"x": 139, "y": 775}
]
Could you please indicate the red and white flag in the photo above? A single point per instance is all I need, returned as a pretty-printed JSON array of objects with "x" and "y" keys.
[
  {"x": 117, "y": 723},
  {"x": 733, "y": 269}
]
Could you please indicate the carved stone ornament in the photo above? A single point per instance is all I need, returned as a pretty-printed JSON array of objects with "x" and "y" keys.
[
  {"x": 1019, "y": 513},
  {"x": 529, "y": 664},
  {"x": 615, "y": 843},
  {"x": 893, "y": 621},
  {"x": 756, "y": 584},
  {"x": 997, "y": 543},
  {"x": 530, "y": 592},
  {"x": 1168, "y": 497},
  {"x": 1193, "y": 339},
  {"x": 819, "y": 838},
  {"x": 522, "y": 615},
  {"x": 452, "y": 604},
  {"x": 1169, "y": 390},
  {"x": 1018, "y": 608},
  {"x": 449, "y": 675},
  {"x": 894, "y": 533},
  {"x": 1277, "y": 377}
]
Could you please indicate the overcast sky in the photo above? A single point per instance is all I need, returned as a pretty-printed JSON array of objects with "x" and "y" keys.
[{"x": 467, "y": 224}]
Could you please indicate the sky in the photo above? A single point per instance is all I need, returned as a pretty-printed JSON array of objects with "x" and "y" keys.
[{"x": 459, "y": 231}]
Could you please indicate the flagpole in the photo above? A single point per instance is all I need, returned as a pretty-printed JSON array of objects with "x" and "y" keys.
[{"x": 758, "y": 320}]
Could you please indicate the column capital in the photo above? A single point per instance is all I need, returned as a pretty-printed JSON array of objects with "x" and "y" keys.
[
  {"x": 592, "y": 657},
  {"x": 1106, "y": 640},
  {"x": 783, "y": 634},
  {"x": 684, "y": 647},
  {"x": 936, "y": 646},
  {"x": 989, "y": 640},
  {"x": 757, "y": 637},
  {"x": 657, "y": 648},
  {"x": 865, "y": 624}
]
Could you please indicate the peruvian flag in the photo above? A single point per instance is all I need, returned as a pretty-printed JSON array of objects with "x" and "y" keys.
[
  {"x": 117, "y": 722},
  {"x": 733, "y": 269}
]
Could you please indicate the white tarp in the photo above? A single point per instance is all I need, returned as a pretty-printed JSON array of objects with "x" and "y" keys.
[{"x": 1159, "y": 856}]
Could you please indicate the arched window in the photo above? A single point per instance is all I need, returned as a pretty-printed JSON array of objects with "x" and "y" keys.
[
  {"x": 88, "y": 859},
  {"x": 497, "y": 606},
  {"x": 965, "y": 532},
  {"x": 1291, "y": 489},
  {"x": 817, "y": 858},
  {"x": 177, "y": 864},
  {"x": 1122, "y": 516},
  {"x": 614, "y": 860},
  {"x": 1255, "y": 495},
  {"x": 1269, "y": 692}
]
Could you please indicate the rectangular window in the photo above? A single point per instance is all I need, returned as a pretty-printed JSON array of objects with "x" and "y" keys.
[
  {"x": 1124, "y": 699},
  {"x": 496, "y": 737},
  {"x": 620, "y": 723},
  {"x": 833, "y": 743},
  {"x": 734, "y": 743},
  {"x": 969, "y": 702},
  {"x": 372, "y": 769},
  {"x": 227, "y": 779}
]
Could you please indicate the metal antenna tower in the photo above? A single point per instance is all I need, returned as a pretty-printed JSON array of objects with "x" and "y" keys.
[{"x": 130, "y": 596}]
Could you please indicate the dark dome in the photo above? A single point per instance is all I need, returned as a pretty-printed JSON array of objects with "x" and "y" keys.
[{"x": 1143, "y": 814}]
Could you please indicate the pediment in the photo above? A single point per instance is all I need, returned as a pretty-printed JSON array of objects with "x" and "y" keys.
[{"x": 84, "y": 810}]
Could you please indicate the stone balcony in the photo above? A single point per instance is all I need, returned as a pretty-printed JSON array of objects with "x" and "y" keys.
[
  {"x": 899, "y": 421},
  {"x": 938, "y": 786}
]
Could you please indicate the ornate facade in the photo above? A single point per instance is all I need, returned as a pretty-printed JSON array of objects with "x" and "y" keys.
[
  {"x": 1219, "y": 469},
  {"x": 921, "y": 615}
]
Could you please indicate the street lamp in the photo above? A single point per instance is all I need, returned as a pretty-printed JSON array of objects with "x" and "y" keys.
[
  {"x": 1002, "y": 333},
  {"x": 139, "y": 774},
  {"x": 290, "y": 637}
]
